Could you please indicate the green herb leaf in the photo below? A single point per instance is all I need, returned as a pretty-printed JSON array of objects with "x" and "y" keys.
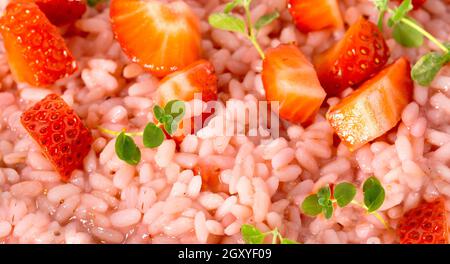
[
  {"x": 159, "y": 113},
  {"x": 400, "y": 12},
  {"x": 327, "y": 210},
  {"x": 344, "y": 193},
  {"x": 374, "y": 194},
  {"x": 311, "y": 206},
  {"x": 288, "y": 241},
  {"x": 166, "y": 118},
  {"x": 170, "y": 125},
  {"x": 252, "y": 235},
  {"x": 266, "y": 20},
  {"x": 175, "y": 108},
  {"x": 127, "y": 150},
  {"x": 324, "y": 195},
  {"x": 153, "y": 136},
  {"x": 427, "y": 67},
  {"x": 407, "y": 36},
  {"x": 227, "y": 22}
]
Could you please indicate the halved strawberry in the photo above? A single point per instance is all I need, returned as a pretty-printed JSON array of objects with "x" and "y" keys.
[
  {"x": 313, "y": 15},
  {"x": 37, "y": 54},
  {"x": 62, "y": 12},
  {"x": 355, "y": 58},
  {"x": 161, "y": 37},
  {"x": 289, "y": 79},
  {"x": 375, "y": 107},
  {"x": 63, "y": 138},
  {"x": 425, "y": 224},
  {"x": 198, "y": 78}
]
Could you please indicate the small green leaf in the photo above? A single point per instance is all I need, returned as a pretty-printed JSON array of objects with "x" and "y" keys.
[
  {"x": 227, "y": 22},
  {"x": 325, "y": 193},
  {"x": 266, "y": 20},
  {"x": 407, "y": 36},
  {"x": 400, "y": 12},
  {"x": 175, "y": 108},
  {"x": 166, "y": 119},
  {"x": 252, "y": 235},
  {"x": 159, "y": 113},
  {"x": 327, "y": 210},
  {"x": 374, "y": 194},
  {"x": 344, "y": 193},
  {"x": 288, "y": 241},
  {"x": 311, "y": 206},
  {"x": 427, "y": 67},
  {"x": 153, "y": 136},
  {"x": 170, "y": 125},
  {"x": 127, "y": 150}
]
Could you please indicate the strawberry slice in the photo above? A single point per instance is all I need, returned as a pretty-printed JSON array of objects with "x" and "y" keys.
[
  {"x": 375, "y": 107},
  {"x": 62, "y": 12},
  {"x": 63, "y": 138},
  {"x": 197, "y": 78},
  {"x": 313, "y": 15},
  {"x": 161, "y": 37},
  {"x": 37, "y": 54},
  {"x": 289, "y": 79},
  {"x": 355, "y": 58},
  {"x": 425, "y": 224}
]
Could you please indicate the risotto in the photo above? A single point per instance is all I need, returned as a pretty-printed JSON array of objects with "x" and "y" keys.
[{"x": 299, "y": 121}]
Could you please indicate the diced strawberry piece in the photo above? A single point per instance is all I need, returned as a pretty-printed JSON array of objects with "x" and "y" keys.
[
  {"x": 290, "y": 79},
  {"x": 161, "y": 37},
  {"x": 314, "y": 15},
  {"x": 63, "y": 138},
  {"x": 375, "y": 107},
  {"x": 210, "y": 174},
  {"x": 62, "y": 12},
  {"x": 425, "y": 224},
  {"x": 355, "y": 58},
  {"x": 37, "y": 54},
  {"x": 198, "y": 78}
]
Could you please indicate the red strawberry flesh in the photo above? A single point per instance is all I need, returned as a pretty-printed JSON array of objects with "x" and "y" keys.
[{"x": 60, "y": 133}]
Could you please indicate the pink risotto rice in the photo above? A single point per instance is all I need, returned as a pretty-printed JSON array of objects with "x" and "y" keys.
[{"x": 161, "y": 200}]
